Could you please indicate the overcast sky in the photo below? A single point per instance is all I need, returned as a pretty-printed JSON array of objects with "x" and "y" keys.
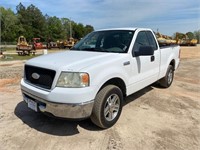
[{"x": 167, "y": 16}]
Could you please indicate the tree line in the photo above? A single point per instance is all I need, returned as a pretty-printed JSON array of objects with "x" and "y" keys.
[
  {"x": 30, "y": 22},
  {"x": 189, "y": 35}
]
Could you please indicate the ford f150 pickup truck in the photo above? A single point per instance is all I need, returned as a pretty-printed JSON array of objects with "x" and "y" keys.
[{"x": 93, "y": 78}]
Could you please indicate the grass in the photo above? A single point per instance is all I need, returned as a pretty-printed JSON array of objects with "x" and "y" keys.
[
  {"x": 10, "y": 54},
  {"x": 9, "y": 57}
]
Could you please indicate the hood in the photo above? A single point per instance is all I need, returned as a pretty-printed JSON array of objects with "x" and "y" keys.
[{"x": 70, "y": 60}]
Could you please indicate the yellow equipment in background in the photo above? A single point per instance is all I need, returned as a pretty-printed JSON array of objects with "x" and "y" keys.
[
  {"x": 183, "y": 39},
  {"x": 66, "y": 43},
  {"x": 23, "y": 48},
  {"x": 164, "y": 39}
]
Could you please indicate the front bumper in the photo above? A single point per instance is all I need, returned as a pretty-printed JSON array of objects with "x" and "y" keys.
[
  {"x": 70, "y": 103},
  {"x": 71, "y": 111}
]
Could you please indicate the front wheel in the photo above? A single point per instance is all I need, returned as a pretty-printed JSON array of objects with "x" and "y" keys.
[
  {"x": 107, "y": 106},
  {"x": 167, "y": 80}
]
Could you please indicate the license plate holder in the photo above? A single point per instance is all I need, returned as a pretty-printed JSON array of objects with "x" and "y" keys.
[{"x": 32, "y": 104}]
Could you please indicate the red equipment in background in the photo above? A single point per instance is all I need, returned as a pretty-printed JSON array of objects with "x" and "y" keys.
[{"x": 37, "y": 44}]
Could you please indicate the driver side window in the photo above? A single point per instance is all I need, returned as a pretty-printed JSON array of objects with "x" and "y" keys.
[{"x": 141, "y": 40}]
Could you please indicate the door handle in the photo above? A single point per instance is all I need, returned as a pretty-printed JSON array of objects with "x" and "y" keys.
[
  {"x": 152, "y": 58},
  {"x": 126, "y": 63}
]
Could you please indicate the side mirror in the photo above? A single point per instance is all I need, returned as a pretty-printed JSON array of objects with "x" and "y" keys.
[{"x": 144, "y": 51}]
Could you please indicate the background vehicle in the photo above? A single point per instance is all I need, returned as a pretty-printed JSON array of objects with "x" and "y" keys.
[
  {"x": 50, "y": 44},
  {"x": 23, "y": 48},
  {"x": 183, "y": 39},
  {"x": 37, "y": 44},
  {"x": 92, "y": 79},
  {"x": 66, "y": 43},
  {"x": 164, "y": 39}
]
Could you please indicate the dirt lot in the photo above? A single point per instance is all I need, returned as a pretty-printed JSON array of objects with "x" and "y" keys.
[{"x": 152, "y": 119}]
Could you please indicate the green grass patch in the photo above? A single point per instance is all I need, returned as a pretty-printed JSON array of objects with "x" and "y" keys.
[
  {"x": 10, "y": 57},
  {"x": 8, "y": 48}
]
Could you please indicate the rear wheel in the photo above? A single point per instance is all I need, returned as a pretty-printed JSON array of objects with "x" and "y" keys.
[
  {"x": 168, "y": 79},
  {"x": 107, "y": 106}
]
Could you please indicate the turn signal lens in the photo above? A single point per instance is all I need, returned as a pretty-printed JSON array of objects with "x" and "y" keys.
[{"x": 84, "y": 79}]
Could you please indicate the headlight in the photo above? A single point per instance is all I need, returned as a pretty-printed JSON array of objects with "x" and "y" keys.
[{"x": 73, "y": 80}]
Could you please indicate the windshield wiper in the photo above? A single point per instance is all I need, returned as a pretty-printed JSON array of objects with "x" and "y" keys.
[{"x": 87, "y": 49}]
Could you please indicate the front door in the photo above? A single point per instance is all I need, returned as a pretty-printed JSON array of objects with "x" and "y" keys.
[{"x": 145, "y": 69}]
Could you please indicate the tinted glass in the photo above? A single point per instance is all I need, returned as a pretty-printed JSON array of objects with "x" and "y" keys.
[
  {"x": 117, "y": 41},
  {"x": 152, "y": 41},
  {"x": 141, "y": 40}
]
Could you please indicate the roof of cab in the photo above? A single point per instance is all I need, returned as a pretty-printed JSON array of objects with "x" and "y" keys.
[
  {"x": 126, "y": 28},
  {"x": 132, "y": 29}
]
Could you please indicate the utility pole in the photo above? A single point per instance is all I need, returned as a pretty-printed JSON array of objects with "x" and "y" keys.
[{"x": 70, "y": 28}]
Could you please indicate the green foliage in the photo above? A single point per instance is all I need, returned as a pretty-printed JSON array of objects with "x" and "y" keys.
[
  {"x": 54, "y": 28},
  {"x": 9, "y": 23},
  {"x": 197, "y": 35},
  {"x": 181, "y": 35},
  {"x": 31, "y": 23},
  {"x": 78, "y": 30},
  {"x": 67, "y": 26},
  {"x": 190, "y": 35},
  {"x": 88, "y": 29}
]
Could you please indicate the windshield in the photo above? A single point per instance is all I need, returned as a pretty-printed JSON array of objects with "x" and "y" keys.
[{"x": 116, "y": 41}]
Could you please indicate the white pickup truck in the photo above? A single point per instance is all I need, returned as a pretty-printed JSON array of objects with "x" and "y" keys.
[{"x": 93, "y": 78}]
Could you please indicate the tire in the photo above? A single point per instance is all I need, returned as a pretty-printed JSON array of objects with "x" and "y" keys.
[
  {"x": 168, "y": 79},
  {"x": 107, "y": 106}
]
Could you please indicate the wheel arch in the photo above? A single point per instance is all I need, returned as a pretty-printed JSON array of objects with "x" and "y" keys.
[
  {"x": 117, "y": 82},
  {"x": 172, "y": 63}
]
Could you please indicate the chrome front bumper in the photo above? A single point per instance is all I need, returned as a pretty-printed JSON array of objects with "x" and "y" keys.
[{"x": 71, "y": 111}]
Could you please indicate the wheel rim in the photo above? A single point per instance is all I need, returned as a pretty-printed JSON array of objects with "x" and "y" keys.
[
  {"x": 111, "y": 107},
  {"x": 170, "y": 76}
]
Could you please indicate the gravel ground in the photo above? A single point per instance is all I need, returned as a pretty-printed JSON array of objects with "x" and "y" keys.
[
  {"x": 152, "y": 119},
  {"x": 11, "y": 69}
]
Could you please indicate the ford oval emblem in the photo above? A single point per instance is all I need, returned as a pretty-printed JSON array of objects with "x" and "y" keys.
[{"x": 35, "y": 76}]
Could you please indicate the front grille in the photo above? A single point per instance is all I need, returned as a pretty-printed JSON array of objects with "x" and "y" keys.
[{"x": 39, "y": 76}]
